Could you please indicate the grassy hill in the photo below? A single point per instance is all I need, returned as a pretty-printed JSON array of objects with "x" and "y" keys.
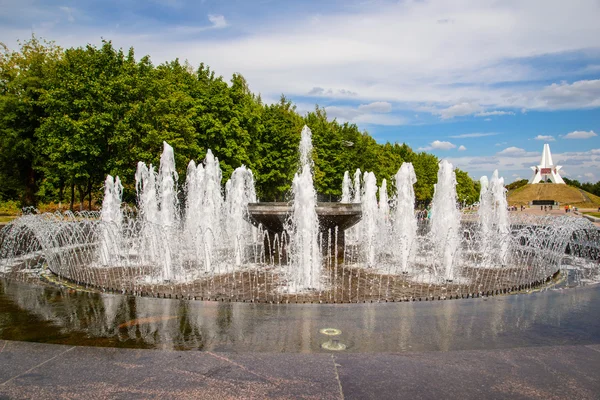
[{"x": 564, "y": 194}]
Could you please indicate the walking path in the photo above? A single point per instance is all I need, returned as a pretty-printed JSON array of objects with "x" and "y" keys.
[{"x": 42, "y": 371}]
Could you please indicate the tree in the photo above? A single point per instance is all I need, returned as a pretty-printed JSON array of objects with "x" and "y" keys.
[
  {"x": 84, "y": 103},
  {"x": 426, "y": 168},
  {"x": 276, "y": 150},
  {"x": 327, "y": 142},
  {"x": 466, "y": 191},
  {"x": 24, "y": 76}
]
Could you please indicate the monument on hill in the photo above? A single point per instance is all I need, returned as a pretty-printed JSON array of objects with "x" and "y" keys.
[{"x": 546, "y": 170}]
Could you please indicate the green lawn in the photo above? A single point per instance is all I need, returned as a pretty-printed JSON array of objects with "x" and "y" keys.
[
  {"x": 593, "y": 214},
  {"x": 6, "y": 218}
]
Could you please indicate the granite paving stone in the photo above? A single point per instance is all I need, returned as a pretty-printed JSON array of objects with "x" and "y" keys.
[
  {"x": 19, "y": 357},
  {"x": 558, "y": 372},
  {"x": 115, "y": 373}
]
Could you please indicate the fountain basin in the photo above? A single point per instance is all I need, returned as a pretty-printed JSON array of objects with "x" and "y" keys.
[{"x": 273, "y": 216}]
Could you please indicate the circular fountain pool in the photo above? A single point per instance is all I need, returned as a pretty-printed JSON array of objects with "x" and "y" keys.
[{"x": 207, "y": 249}]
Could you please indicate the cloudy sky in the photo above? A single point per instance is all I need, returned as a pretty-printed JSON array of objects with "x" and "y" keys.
[{"x": 483, "y": 83}]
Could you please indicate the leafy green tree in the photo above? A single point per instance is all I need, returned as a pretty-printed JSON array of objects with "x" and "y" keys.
[
  {"x": 327, "y": 154},
  {"x": 466, "y": 191},
  {"x": 24, "y": 76},
  {"x": 69, "y": 118},
  {"x": 84, "y": 103},
  {"x": 276, "y": 150},
  {"x": 426, "y": 168}
]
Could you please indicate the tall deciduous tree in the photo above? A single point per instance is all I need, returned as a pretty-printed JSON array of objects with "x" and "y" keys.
[{"x": 24, "y": 76}]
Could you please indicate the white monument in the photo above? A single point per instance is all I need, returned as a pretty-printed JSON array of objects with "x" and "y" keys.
[{"x": 546, "y": 170}]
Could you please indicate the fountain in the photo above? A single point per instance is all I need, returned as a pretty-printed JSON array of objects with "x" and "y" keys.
[
  {"x": 214, "y": 241},
  {"x": 405, "y": 221},
  {"x": 445, "y": 221}
]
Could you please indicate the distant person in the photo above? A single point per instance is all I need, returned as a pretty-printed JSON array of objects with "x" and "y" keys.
[{"x": 566, "y": 209}]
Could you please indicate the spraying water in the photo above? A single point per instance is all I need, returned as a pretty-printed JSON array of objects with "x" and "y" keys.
[
  {"x": 204, "y": 212},
  {"x": 445, "y": 220},
  {"x": 239, "y": 191},
  {"x": 304, "y": 267},
  {"x": 207, "y": 249},
  {"x": 112, "y": 219},
  {"x": 346, "y": 188},
  {"x": 486, "y": 209},
  {"x": 370, "y": 216},
  {"x": 404, "y": 221}
]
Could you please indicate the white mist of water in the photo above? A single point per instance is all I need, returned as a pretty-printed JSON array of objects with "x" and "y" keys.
[
  {"x": 346, "y": 188},
  {"x": 501, "y": 218},
  {"x": 485, "y": 211},
  {"x": 370, "y": 216},
  {"x": 353, "y": 190},
  {"x": 404, "y": 219},
  {"x": 304, "y": 266},
  {"x": 445, "y": 220},
  {"x": 203, "y": 225},
  {"x": 239, "y": 191},
  {"x": 494, "y": 222},
  {"x": 357, "y": 189},
  {"x": 168, "y": 211},
  {"x": 167, "y": 184},
  {"x": 148, "y": 242},
  {"x": 112, "y": 219}
]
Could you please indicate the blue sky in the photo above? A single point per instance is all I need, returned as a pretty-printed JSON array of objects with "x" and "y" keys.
[{"x": 479, "y": 82}]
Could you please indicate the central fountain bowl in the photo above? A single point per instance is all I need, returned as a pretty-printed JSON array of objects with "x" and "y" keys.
[{"x": 273, "y": 216}]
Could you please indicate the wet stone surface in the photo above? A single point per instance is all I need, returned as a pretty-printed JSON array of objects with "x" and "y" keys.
[
  {"x": 53, "y": 371},
  {"x": 63, "y": 316}
]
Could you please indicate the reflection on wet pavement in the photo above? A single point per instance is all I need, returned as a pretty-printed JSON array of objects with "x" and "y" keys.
[{"x": 55, "y": 315}]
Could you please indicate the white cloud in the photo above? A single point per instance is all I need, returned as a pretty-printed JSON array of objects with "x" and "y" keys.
[
  {"x": 217, "y": 21},
  {"x": 319, "y": 91},
  {"x": 441, "y": 145},
  {"x": 490, "y": 113},
  {"x": 545, "y": 138},
  {"x": 380, "y": 119},
  {"x": 580, "y": 135},
  {"x": 579, "y": 94},
  {"x": 377, "y": 107},
  {"x": 462, "y": 148},
  {"x": 372, "y": 114},
  {"x": 459, "y": 110},
  {"x": 456, "y": 68},
  {"x": 512, "y": 152},
  {"x": 473, "y": 135},
  {"x": 438, "y": 145}
]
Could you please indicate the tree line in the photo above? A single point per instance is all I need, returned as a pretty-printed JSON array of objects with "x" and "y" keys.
[{"x": 70, "y": 117}]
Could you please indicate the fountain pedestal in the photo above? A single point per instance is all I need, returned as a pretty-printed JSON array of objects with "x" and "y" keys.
[{"x": 274, "y": 215}]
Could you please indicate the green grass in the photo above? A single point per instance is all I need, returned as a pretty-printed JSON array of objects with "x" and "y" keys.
[
  {"x": 9, "y": 208},
  {"x": 6, "y": 218},
  {"x": 593, "y": 214}
]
